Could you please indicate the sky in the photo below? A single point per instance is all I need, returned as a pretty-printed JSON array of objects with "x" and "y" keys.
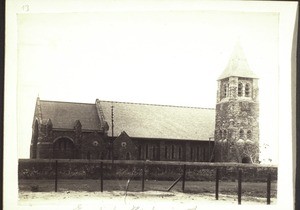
[{"x": 169, "y": 57}]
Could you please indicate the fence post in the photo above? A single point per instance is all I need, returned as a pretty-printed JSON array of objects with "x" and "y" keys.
[
  {"x": 240, "y": 187},
  {"x": 56, "y": 175},
  {"x": 183, "y": 177},
  {"x": 143, "y": 177},
  {"x": 217, "y": 184},
  {"x": 101, "y": 176},
  {"x": 269, "y": 189}
]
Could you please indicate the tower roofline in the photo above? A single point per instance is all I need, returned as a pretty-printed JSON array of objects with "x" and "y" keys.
[{"x": 238, "y": 65}]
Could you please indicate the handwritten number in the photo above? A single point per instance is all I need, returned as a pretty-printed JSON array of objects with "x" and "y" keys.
[{"x": 25, "y": 8}]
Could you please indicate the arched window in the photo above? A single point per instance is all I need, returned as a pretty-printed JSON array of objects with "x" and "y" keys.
[
  {"x": 225, "y": 90},
  {"x": 240, "y": 89},
  {"x": 63, "y": 148},
  {"x": 241, "y": 134},
  {"x": 247, "y": 90},
  {"x": 249, "y": 135}
]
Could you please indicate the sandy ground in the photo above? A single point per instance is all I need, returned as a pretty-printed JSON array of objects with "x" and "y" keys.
[{"x": 132, "y": 200}]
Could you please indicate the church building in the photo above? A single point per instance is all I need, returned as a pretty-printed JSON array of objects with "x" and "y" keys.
[
  {"x": 133, "y": 131},
  {"x": 119, "y": 130}
]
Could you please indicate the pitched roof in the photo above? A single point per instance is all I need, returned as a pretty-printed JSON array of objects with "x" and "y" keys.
[
  {"x": 64, "y": 114},
  {"x": 159, "y": 121},
  {"x": 238, "y": 65}
]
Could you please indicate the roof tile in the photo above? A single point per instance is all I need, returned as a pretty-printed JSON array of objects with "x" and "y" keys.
[
  {"x": 64, "y": 114},
  {"x": 159, "y": 121}
]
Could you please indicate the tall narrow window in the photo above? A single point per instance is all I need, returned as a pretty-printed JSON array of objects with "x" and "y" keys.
[
  {"x": 198, "y": 153},
  {"x": 241, "y": 134},
  {"x": 247, "y": 90},
  {"x": 65, "y": 145},
  {"x": 192, "y": 153},
  {"x": 153, "y": 152},
  {"x": 146, "y": 151},
  {"x": 249, "y": 135},
  {"x": 140, "y": 152},
  {"x": 179, "y": 153},
  {"x": 204, "y": 154},
  {"x": 220, "y": 134},
  {"x": 127, "y": 156},
  {"x": 173, "y": 152},
  {"x": 166, "y": 152},
  {"x": 225, "y": 134},
  {"x": 225, "y": 90},
  {"x": 240, "y": 89}
]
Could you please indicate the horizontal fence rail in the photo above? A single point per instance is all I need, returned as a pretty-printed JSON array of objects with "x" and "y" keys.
[{"x": 144, "y": 170}]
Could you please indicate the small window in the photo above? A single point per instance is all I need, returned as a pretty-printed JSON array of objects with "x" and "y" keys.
[
  {"x": 249, "y": 135},
  {"x": 240, "y": 89},
  {"x": 192, "y": 153},
  {"x": 241, "y": 134},
  {"x": 247, "y": 90}
]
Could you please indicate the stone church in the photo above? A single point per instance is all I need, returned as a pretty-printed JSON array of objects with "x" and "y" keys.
[{"x": 133, "y": 131}]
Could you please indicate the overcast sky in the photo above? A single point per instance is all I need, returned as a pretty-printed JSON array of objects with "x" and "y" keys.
[{"x": 158, "y": 57}]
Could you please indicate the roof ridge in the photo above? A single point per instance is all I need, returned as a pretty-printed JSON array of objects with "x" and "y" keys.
[
  {"x": 68, "y": 102},
  {"x": 148, "y": 104},
  {"x": 136, "y": 103}
]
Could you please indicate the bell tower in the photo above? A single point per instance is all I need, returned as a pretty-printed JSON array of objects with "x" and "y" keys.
[{"x": 237, "y": 112}]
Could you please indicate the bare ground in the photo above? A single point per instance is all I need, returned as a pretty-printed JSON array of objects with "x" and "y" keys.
[
  {"x": 131, "y": 199},
  {"x": 81, "y": 194}
]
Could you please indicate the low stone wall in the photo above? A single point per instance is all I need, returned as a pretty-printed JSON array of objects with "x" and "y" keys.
[{"x": 154, "y": 170}]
